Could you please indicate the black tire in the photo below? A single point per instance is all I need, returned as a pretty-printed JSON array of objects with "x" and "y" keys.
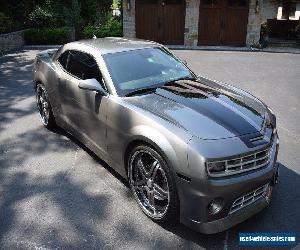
[
  {"x": 44, "y": 107},
  {"x": 163, "y": 213}
]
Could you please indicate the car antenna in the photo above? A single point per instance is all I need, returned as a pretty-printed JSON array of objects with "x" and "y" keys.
[{"x": 94, "y": 37}]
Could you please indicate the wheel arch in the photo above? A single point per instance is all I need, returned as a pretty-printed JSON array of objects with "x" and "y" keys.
[
  {"x": 39, "y": 78},
  {"x": 36, "y": 83},
  {"x": 157, "y": 141}
]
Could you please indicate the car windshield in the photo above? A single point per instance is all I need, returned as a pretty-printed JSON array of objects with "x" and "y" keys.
[{"x": 144, "y": 69}]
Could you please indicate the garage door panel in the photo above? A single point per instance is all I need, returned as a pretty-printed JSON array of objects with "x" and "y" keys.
[
  {"x": 161, "y": 21},
  {"x": 147, "y": 24},
  {"x": 210, "y": 26},
  {"x": 236, "y": 27},
  {"x": 173, "y": 24},
  {"x": 223, "y": 22}
]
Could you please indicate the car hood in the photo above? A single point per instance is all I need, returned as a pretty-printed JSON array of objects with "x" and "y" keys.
[{"x": 206, "y": 109}]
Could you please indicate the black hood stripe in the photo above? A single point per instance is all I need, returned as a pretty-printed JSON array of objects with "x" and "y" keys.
[
  {"x": 192, "y": 87},
  {"x": 226, "y": 110}
]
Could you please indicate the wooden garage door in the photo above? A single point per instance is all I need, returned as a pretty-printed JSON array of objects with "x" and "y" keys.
[
  {"x": 223, "y": 22},
  {"x": 160, "y": 20}
]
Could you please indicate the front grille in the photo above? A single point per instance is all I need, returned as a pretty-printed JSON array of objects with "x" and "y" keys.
[
  {"x": 249, "y": 198},
  {"x": 238, "y": 165}
]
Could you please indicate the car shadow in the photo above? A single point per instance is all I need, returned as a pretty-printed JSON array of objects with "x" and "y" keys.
[{"x": 102, "y": 163}]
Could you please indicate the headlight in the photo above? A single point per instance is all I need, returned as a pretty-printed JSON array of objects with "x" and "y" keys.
[
  {"x": 271, "y": 117},
  {"x": 215, "y": 167},
  {"x": 271, "y": 111}
]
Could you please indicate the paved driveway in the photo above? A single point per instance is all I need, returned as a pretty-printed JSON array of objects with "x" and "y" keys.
[{"x": 55, "y": 194}]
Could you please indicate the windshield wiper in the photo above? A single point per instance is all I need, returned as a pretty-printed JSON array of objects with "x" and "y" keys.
[{"x": 141, "y": 91}]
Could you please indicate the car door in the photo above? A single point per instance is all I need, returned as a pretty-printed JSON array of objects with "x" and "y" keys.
[{"x": 84, "y": 110}]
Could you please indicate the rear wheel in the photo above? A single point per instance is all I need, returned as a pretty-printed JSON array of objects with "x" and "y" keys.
[
  {"x": 44, "y": 107},
  {"x": 152, "y": 184}
]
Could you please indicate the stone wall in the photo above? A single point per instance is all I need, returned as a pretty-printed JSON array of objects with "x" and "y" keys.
[
  {"x": 267, "y": 10},
  {"x": 10, "y": 41},
  {"x": 129, "y": 18},
  {"x": 191, "y": 23}
]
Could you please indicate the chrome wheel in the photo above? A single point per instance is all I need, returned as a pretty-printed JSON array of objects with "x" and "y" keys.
[
  {"x": 43, "y": 104},
  {"x": 149, "y": 183}
]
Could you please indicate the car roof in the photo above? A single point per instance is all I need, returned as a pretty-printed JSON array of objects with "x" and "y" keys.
[{"x": 116, "y": 44}]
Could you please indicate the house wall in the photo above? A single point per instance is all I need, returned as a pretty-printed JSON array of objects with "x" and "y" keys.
[
  {"x": 297, "y": 13},
  {"x": 267, "y": 10}
]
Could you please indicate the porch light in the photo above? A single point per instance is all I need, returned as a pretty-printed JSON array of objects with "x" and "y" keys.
[
  {"x": 128, "y": 5},
  {"x": 257, "y": 6}
]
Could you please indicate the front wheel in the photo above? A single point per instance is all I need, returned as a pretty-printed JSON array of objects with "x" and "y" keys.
[
  {"x": 152, "y": 184},
  {"x": 44, "y": 107}
]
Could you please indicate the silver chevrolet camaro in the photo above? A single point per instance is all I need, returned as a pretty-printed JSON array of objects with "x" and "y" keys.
[{"x": 190, "y": 147}]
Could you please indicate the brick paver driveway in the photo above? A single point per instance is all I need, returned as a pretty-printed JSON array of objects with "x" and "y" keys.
[{"x": 55, "y": 194}]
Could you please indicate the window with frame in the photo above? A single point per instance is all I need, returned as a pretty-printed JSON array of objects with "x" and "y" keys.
[
  {"x": 63, "y": 59},
  {"x": 83, "y": 66}
]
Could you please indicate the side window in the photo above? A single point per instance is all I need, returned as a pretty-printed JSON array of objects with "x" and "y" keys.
[
  {"x": 83, "y": 66},
  {"x": 63, "y": 59}
]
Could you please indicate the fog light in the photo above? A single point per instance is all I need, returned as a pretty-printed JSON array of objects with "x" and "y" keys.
[{"x": 215, "y": 206}]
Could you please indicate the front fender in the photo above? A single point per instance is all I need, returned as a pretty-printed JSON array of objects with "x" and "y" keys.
[{"x": 172, "y": 148}]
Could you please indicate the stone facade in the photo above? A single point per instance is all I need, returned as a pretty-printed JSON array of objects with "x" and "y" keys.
[
  {"x": 259, "y": 12},
  {"x": 191, "y": 23},
  {"x": 129, "y": 18},
  {"x": 11, "y": 41}
]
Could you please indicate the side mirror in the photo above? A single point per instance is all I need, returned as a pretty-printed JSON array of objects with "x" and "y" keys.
[{"x": 91, "y": 84}]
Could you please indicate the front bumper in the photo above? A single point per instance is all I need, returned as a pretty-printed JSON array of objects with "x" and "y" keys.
[
  {"x": 228, "y": 221},
  {"x": 196, "y": 195}
]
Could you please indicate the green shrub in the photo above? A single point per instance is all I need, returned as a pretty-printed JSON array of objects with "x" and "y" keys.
[
  {"x": 48, "y": 36},
  {"x": 5, "y": 23},
  {"x": 112, "y": 27}
]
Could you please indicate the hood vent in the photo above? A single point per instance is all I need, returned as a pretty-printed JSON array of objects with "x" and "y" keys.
[{"x": 256, "y": 139}]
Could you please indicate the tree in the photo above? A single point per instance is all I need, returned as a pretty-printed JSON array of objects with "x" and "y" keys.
[{"x": 41, "y": 17}]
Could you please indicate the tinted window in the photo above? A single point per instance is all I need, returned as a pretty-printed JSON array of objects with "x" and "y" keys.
[
  {"x": 83, "y": 66},
  {"x": 63, "y": 58},
  {"x": 143, "y": 68}
]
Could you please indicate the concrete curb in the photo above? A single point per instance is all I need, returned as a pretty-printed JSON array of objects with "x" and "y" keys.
[
  {"x": 207, "y": 48},
  {"x": 240, "y": 49},
  {"x": 40, "y": 46}
]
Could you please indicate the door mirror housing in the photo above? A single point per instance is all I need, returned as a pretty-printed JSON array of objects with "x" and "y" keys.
[{"x": 91, "y": 84}]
